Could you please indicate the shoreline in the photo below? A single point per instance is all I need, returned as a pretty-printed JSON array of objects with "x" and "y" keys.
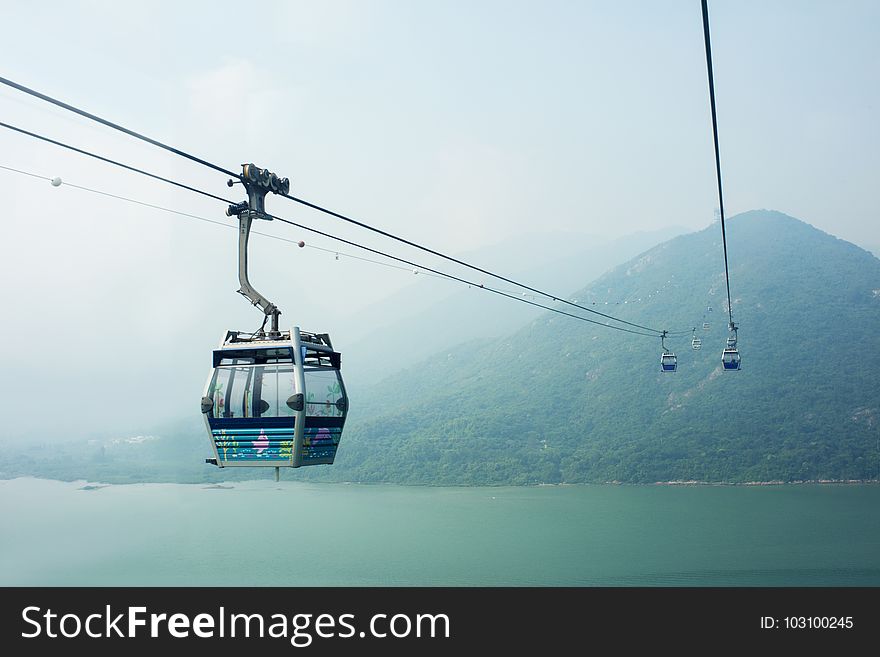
[
  {"x": 88, "y": 485},
  {"x": 805, "y": 482}
]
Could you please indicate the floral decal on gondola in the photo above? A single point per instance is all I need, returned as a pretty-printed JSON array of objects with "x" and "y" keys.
[
  {"x": 262, "y": 442},
  {"x": 325, "y": 407},
  {"x": 215, "y": 392}
]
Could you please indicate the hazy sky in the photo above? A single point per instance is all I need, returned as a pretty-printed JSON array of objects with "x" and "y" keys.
[{"x": 457, "y": 124}]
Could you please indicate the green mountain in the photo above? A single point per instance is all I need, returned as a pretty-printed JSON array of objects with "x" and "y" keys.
[
  {"x": 416, "y": 322},
  {"x": 566, "y": 401}
]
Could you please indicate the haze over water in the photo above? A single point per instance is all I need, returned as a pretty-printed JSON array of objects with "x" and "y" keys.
[{"x": 291, "y": 533}]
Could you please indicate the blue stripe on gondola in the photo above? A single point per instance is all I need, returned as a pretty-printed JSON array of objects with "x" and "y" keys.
[
  {"x": 321, "y": 422},
  {"x": 253, "y": 432},
  {"x": 320, "y": 444},
  {"x": 253, "y": 440},
  {"x": 235, "y": 444},
  {"x": 239, "y": 423},
  {"x": 322, "y": 434},
  {"x": 236, "y": 441}
]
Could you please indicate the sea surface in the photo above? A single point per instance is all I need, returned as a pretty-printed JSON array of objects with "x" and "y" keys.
[{"x": 296, "y": 534}]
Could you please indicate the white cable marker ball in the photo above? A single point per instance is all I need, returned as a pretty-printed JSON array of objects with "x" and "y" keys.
[{"x": 56, "y": 182}]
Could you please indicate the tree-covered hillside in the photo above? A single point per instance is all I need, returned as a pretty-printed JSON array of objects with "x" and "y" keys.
[{"x": 566, "y": 401}]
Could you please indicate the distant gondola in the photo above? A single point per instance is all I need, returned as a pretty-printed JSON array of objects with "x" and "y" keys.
[
  {"x": 668, "y": 361},
  {"x": 730, "y": 358}
]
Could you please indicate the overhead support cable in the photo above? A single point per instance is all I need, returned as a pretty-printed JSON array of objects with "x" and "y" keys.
[
  {"x": 436, "y": 272},
  {"x": 113, "y": 162},
  {"x": 314, "y": 206},
  {"x": 463, "y": 263},
  {"x": 110, "y": 124},
  {"x": 717, "y": 154}
]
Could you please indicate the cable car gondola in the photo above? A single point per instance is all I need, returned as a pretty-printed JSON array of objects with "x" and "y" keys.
[
  {"x": 696, "y": 343},
  {"x": 730, "y": 358},
  {"x": 276, "y": 402},
  {"x": 705, "y": 326},
  {"x": 273, "y": 398},
  {"x": 668, "y": 362}
]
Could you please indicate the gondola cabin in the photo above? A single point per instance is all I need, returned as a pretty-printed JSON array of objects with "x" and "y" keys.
[
  {"x": 275, "y": 402},
  {"x": 668, "y": 362},
  {"x": 705, "y": 326},
  {"x": 730, "y": 359},
  {"x": 696, "y": 344}
]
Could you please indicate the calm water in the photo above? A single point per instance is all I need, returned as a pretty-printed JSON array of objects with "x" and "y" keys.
[{"x": 262, "y": 533}]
